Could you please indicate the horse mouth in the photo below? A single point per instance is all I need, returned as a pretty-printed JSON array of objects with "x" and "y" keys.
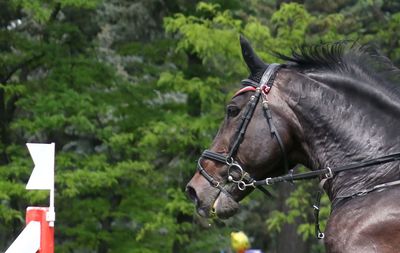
[
  {"x": 213, "y": 202},
  {"x": 224, "y": 206}
]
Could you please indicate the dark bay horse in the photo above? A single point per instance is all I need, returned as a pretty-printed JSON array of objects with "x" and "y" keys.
[{"x": 329, "y": 106}]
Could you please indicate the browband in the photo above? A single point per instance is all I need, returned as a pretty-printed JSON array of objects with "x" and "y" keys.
[
  {"x": 243, "y": 90},
  {"x": 267, "y": 80}
]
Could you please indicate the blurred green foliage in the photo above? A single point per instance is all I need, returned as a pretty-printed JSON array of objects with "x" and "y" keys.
[{"x": 131, "y": 92}]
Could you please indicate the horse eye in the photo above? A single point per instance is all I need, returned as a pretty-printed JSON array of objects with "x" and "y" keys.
[{"x": 232, "y": 111}]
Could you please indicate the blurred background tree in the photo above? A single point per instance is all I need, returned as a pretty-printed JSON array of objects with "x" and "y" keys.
[{"x": 131, "y": 92}]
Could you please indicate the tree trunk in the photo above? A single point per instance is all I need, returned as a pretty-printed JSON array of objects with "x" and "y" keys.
[{"x": 288, "y": 240}]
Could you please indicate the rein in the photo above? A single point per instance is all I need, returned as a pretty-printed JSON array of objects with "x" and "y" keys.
[{"x": 328, "y": 172}]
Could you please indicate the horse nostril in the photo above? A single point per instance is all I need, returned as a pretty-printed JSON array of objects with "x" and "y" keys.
[{"x": 191, "y": 192}]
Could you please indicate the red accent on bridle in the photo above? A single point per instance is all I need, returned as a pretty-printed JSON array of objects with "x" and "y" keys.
[
  {"x": 245, "y": 89},
  {"x": 264, "y": 89}
]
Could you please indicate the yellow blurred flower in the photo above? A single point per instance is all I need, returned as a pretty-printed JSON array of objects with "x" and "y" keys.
[{"x": 239, "y": 241}]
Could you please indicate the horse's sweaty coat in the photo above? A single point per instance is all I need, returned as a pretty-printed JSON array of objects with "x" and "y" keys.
[{"x": 330, "y": 109}]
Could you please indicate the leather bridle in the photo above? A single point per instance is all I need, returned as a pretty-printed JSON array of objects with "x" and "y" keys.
[{"x": 236, "y": 174}]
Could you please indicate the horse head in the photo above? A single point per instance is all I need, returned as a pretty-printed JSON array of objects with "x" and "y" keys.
[{"x": 254, "y": 141}]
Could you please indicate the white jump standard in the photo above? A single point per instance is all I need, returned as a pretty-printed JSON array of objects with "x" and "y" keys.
[{"x": 38, "y": 235}]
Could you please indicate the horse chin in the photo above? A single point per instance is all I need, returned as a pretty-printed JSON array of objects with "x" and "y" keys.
[{"x": 225, "y": 206}]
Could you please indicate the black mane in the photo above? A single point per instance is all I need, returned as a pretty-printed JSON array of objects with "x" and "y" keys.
[{"x": 362, "y": 62}]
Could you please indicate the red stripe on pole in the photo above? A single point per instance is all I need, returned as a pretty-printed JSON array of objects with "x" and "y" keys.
[{"x": 46, "y": 232}]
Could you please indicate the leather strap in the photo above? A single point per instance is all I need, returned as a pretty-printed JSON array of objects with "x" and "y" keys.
[{"x": 269, "y": 75}]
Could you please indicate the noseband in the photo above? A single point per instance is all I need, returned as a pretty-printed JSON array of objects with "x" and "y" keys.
[{"x": 236, "y": 174}]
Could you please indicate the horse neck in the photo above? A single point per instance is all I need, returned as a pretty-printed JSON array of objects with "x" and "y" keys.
[{"x": 343, "y": 124}]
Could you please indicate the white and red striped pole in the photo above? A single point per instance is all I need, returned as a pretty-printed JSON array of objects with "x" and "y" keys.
[
  {"x": 38, "y": 235},
  {"x": 38, "y": 214}
]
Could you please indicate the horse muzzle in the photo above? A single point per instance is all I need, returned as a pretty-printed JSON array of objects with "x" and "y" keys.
[{"x": 210, "y": 200}]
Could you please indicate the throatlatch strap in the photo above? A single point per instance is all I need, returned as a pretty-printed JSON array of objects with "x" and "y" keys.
[{"x": 274, "y": 132}]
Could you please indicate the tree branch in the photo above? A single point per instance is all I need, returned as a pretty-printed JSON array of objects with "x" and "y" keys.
[
  {"x": 19, "y": 66},
  {"x": 53, "y": 16}
]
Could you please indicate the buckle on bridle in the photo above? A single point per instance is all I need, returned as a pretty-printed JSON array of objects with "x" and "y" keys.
[
  {"x": 229, "y": 160},
  {"x": 215, "y": 184},
  {"x": 329, "y": 175},
  {"x": 239, "y": 170},
  {"x": 242, "y": 185}
]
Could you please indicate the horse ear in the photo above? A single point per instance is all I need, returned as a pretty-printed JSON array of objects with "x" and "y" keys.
[{"x": 255, "y": 64}]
